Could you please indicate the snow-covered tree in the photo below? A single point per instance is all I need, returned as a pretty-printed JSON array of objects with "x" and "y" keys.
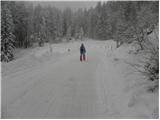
[
  {"x": 81, "y": 33},
  {"x": 30, "y": 27},
  {"x": 42, "y": 32},
  {"x": 7, "y": 36},
  {"x": 21, "y": 23},
  {"x": 67, "y": 20},
  {"x": 68, "y": 35}
]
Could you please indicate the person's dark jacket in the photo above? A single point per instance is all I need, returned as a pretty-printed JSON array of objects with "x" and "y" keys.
[{"x": 82, "y": 49}]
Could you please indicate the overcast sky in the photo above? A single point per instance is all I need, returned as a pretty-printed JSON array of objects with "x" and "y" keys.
[{"x": 74, "y": 5}]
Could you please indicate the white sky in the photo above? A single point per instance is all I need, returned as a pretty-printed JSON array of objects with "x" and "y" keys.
[{"x": 74, "y": 5}]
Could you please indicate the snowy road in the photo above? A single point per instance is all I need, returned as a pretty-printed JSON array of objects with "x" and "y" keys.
[
  {"x": 60, "y": 86},
  {"x": 65, "y": 89}
]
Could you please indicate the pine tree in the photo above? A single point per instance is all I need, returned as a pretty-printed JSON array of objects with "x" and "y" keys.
[
  {"x": 81, "y": 33},
  {"x": 92, "y": 20},
  {"x": 68, "y": 33},
  {"x": 42, "y": 32},
  {"x": 30, "y": 27},
  {"x": 20, "y": 21},
  {"x": 7, "y": 36},
  {"x": 67, "y": 20},
  {"x": 76, "y": 34}
]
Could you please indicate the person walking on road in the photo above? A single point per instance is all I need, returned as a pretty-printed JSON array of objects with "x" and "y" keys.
[{"x": 82, "y": 53}]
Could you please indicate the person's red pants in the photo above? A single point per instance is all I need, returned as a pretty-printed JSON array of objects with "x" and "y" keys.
[{"x": 82, "y": 57}]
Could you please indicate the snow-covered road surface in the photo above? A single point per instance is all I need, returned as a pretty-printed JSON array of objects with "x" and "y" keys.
[
  {"x": 65, "y": 89},
  {"x": 68, "y": 88}
]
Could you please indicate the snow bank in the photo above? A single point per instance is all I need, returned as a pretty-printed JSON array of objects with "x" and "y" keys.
[
  {"x": 28, "y": 58},
  {"x": 125, "y": 90}
]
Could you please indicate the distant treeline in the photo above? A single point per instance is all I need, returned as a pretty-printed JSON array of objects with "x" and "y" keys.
[{"x": 22, "y": 24}]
